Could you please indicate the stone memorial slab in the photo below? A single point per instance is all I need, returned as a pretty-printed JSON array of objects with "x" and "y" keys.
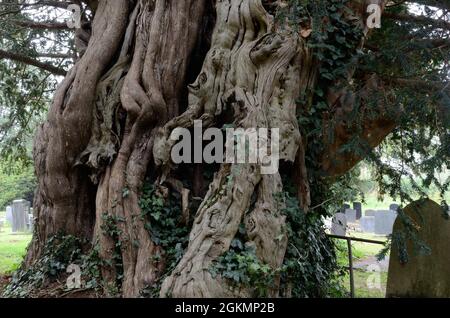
[
  {"x": 367, "y": 224},
  {"x": 30, "y": 222},
  {"x": 358, "y": 207},
  {"x": 9, "y": 217},
  {"x": 394, "y": 207},
  {"x": 422, "y": 275},
  {"x": 20, "y": 215},
  {"x": 384, "y": 222},
  {"x": 339, "y": 224},
  {"x": 350, "y": 214}
]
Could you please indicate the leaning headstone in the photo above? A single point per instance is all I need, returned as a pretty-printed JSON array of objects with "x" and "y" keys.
[
  {"x": 9, "y": 217},
  {"x": 339, "y": 224},
  {"x": 394, "y": 207},
  {"x": 384, "y": 222},
  {"x": 358, "y": 207},
  {"x": 350, "y": 214},
  {"x": 367, "y": 224},
  {"x": 369, "y": 212},
  {"x": 20, "y": 215},
  {"x": 422, "y": 275}
]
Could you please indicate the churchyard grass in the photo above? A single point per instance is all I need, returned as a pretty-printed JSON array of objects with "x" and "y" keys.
[
  {"x": 12, "y": 248},
  {"x": 361, "y": 251},
  {"x": 362, "y": 289}
]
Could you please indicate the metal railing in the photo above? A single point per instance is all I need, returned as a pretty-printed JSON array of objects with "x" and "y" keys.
[{"x": 350, "y": 255}]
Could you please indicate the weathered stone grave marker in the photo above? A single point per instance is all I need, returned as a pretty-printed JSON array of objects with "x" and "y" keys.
[
  {"x": 394, "y": 207},
  {"x": 30, "y": 222},
  {"x": 384, "y": 222},
  {"x": 367, "y": 224},
  {"x": 20, "y": 215},
  {"x": 350, "y": 214},
  {"x": 9, "y": 214},
  {"x": 339, "y": 224},
  {"x": 357, "y": 206},
  {"x": 423, "y": 275}
]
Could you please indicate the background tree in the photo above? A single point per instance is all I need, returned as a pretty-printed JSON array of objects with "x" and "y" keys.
[
  {"x": 16, "y": 184},
  {"x": 335, "y": 89}
]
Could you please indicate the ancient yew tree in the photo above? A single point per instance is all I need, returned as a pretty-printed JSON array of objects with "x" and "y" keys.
[{"x": 316, "y": 70}]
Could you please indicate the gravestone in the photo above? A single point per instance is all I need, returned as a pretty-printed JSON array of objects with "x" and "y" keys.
[
  {"x": 345, "y": 207},
  {"x": 9, "y": 214},
  {"x": 30, "y": 222},
  {"x": 367, "y": 224},
  {"x": 350, "y": 214},
  {"x": 369, "y": 212},
  {"x": 28, "y": 206},
  {"x": 394, "y": 207},
  {"x": 339, "y": 224},
  {"x": 422, "y": 276},
  {"x": 358, "y": 207},
  {"x": 384, "y": 222},
  {"x": 20, "y": 215}
]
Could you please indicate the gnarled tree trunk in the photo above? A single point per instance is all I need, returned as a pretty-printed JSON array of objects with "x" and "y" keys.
[
  {"x": 112, "y": 116},
  {"x": 97, "y": 141},
  {"x": 254, "y": 70}
]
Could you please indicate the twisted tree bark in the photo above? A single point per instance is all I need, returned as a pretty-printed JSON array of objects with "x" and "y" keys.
[
  {"x": 253, "y": 70},
  {"x": 98, "y": 138},
  {"x": 111, "y": 121},
  {"x": 65, "y": 197}
]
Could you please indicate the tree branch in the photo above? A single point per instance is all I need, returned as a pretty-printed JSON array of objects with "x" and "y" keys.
[
  {"x": 418, "y": 84},
  {"x": 57, "y": 55},
  {"x": 371, "y": 127},
  {"x": 41, "y": 25},
  {"x": 419, "y": 19},
  {"x": 30, "y": 61}
]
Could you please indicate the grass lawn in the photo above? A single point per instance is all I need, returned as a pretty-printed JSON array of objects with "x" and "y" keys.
[
  {"x": 362, "y": 288},
  {"x": 12, "y": 248},
  {"x": 362, "y": 278},
  {"x": 361, "y": 249}
]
